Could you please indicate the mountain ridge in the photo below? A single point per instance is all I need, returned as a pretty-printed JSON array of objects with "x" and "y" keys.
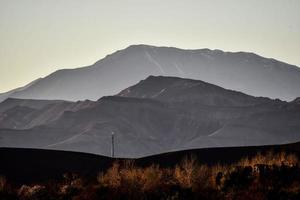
[{"x": 241, "y": 71}]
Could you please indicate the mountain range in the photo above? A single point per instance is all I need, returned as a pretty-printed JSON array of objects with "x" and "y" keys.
[
  {"x": 240, "y": 71},
  {"x": 158, "y": 114}
]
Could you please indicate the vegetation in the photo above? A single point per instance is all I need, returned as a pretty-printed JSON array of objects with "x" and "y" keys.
[{"x": 268, "y": 176}]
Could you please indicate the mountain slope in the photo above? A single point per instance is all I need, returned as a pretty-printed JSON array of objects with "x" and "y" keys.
[
  {"x": 31, "y": 103},
  {"x": 11, "y": 93},
  {"x": 174, "y": 89},
  {"x": 27, "y": 113},
  {"x": 246, "y": 72},
  {"x": 187, "y": 114}
]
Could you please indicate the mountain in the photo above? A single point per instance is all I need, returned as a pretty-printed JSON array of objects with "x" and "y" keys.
[
  {"x": 159, "y": 114},
  {"x": 240, "y": 71},
  {"x": 28, "y": 113},
  {"x": 174, "y": 89},
  {"x": 30, "y": 103},
  {"x": 10, "y": 93}
]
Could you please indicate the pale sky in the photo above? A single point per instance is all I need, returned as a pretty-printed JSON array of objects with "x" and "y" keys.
[{"x": 38, "y": 37}]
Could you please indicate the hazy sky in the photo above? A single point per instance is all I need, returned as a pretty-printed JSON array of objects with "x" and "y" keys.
[{"x": 38, "y": 37}]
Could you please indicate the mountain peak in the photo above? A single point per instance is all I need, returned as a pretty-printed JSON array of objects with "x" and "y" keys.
[
  {"x": 245, "y": 72},
  {"x": 297, "y": 100},
  {"x": 140, "y": 46},
  {"x": 174, "y": 89}
]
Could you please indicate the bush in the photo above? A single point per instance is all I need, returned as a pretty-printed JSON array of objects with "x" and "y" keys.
[
  {"x": 151, "y": 178},
  {"x": 185, "y": 172},
  {"x": 36, "y": 192},
  {"x": 3, "y": 183},
  {"x": 270, "y": 158},
  {"x": 112, "y": 177}
]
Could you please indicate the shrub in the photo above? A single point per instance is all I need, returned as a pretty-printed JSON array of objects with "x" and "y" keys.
[
  {"x": 270, "y": 158},
  {"x": 35, "y": 192},
  {"x": 3, "y": 183},
  {"x": 185, "y": 172},
  {"x": 112, "y": 177},
  {"x": 151, "y": 178}
]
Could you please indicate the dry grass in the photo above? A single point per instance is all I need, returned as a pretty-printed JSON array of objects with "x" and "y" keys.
[
  {"x": 112, "y": 178},
  {"x": 270, "y": 158},
  {"x": 31, "y": 192},
  {"x": 151, "y": 178},
  {"x": 185, "y": 172},
  {"x": 135, "y": 178}
]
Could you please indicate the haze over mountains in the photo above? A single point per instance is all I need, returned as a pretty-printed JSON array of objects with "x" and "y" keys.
[
  {"x": 245, "y": 72},
  {"x": 159, "y": 114}
]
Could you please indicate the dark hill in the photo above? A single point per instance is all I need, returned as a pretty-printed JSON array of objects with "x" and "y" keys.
[
  {"x": 36, "y": 165},
  {"x": 174, "y": 89}
]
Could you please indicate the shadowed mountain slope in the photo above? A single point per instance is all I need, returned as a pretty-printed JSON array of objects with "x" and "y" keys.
[
  {"x": 186, "y": 114},
  {"x": 174, "y": 89}
]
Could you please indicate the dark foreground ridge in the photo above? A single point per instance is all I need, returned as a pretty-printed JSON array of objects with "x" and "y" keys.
[{"x": 36, "y": 165}]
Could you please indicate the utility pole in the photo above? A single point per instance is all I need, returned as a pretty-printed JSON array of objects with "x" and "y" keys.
[{"x": 112, "y": 145}]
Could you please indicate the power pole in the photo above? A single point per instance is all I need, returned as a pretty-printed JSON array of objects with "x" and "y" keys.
[{"x": 112, "y": 145}]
